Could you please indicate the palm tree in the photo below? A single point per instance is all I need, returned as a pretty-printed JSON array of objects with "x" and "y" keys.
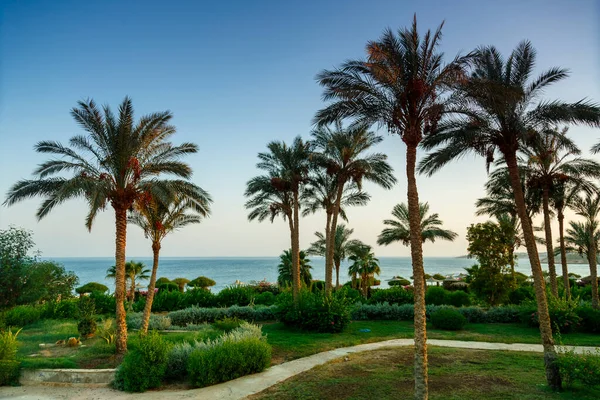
[
  {"x": 135, "y": 271},
  {"x": 589, "y": 208},
  {"x": 399, "y": 87},
  {"x": 578, "y": 240},
  {"x": 117, "y": 162},
  {"x": 497, "y": 110},
  {"x": 279, "y": 191},
  {"x": 341, "y": 152},
  {"x": 549, "y": 163},
  {"x": 285, "y": 277},
  {"x": 157, "y": 220},
  {"x": 431, "y": 227},
  {"x": 364, "y": 264},
  {"x": 341, "y": 247}
]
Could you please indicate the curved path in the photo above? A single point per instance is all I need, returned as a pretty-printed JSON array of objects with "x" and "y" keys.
[{"x": 251, "y": 384}]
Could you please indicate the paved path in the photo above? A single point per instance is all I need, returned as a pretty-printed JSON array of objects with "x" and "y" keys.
[{"x": 251, "y": 384}]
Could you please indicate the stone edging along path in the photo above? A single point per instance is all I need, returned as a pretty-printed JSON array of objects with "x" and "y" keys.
[{"x": 247, "y": 385}]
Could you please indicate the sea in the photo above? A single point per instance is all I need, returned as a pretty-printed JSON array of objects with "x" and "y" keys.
[{"x": 226, "y": 271}]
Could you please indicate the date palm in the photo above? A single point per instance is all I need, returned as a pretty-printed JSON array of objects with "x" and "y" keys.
[
  {"x": 134, "y": 271},
  {"x": 279, "y": 192},
  {"x": 497, "y": 111},
  {"x": 398, "y": 86},
  {"x": 118, "y": 163},
  {"x": 342, "y": 246},
  {"x": 365, "y": 265},
  {"x": 589, "y": 208},
  {"x": 342, "y": 154},
  {"x": 550, "y": 160},
  {"x": 284, "y": 269},
  {"x": 157, "y": 220},
  {"x": 398, "y": 231}
]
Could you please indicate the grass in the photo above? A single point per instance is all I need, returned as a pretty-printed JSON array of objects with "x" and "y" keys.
[
  {"x": 289, "y": 344},
  {"x": 453, "y": 374}
]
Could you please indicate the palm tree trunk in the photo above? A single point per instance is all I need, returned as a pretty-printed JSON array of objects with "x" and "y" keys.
[
  {"x": 549, "y": 247},
  {"x": 131, "y": 294},
  {"x": 511, "y": 253},
  {"x": 150, "y": 295},
  {"x": 121, "y": 242},
  {"x": 563, "y": 254},
  {"x": 593, "y": 269},
  {"x": 416, "y": 252},
  {"x": 327, "y": 240},
  {"x": 552, "y": 373},
  {"x": 337, "y": 274},
  {"x": 332, "y": 232},
  {"x": 296, "y": 250}
]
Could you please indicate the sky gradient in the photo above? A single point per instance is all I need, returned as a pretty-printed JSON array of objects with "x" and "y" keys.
[{"x": 237, "y": 75}]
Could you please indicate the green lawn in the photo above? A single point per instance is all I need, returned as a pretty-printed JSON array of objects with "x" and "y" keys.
[{"x": 453, "y": 374}]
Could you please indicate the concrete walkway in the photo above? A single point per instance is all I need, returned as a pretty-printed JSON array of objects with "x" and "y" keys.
[{"x": 245, "y": 386}]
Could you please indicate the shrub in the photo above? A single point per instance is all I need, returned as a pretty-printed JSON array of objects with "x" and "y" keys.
[
  {"x": 228, "y": 361},
  {"x": 436, "y": 295},
  {"x": 590, "y": 319},
  {"x": 458, "y": 298},
  {"x": 167, "y": 287},
  {"x": 474, "y": 314},
  {"x": 8, "y": 344},
  {"x": 156, "y": 322},
  {"x": 399, "y": 282},
  {"x": 22, "y": 315},
  {"x": 506, "y": 314},
  {"x": 9, "y": 372},
  {"x": 144, "y": 366},
  {"x": 197, "y": 315},
  {"x": 105, "y": 304},
  {"x": 107, "y": 330},
  {"x": 317, "y": 285},
  {"x": 87, "y": 324},
  {"x": 584, "y": 368},
  {"x": 383, "y": 311},
  {"x": 228, "y": 324},
  {"x": 396, "y": 295},
  {"x": 86, "y": 327},
  {"x": 521, "y": 294},
  {"x": 318, "y": 311},
  {"x": 448, "y": 319},
  {"x": 200, "y": 298},
  {"x": 263, "y": 287},
  {"x": 265, "y": 298},
  {"x": 92, "y": 287},
  {"x": 563, "y": 317},
  {"x": 201, "y": 282},
  {"x": 166, "y": 300},
  {"x": 66, "y": 309},
  {"x": 351, "y": 294},
  {"x": 235, "y": 295}
]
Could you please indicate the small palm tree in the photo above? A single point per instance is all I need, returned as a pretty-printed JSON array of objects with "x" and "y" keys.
[
  {"x": 116, "y": 163},
  {"x": 341, "y": 248},
  {"x": 399, "y": 86},
  {"x": 495, "y": 112},
  {"x": 279, "y": 192},
  {"x": 399, "y": 231},
  {"x": 135, "y": 272},
  {"x": 157, "y": 220},
  {"x": 342, "y": 154},
  {"x": 285, "y": 277},
  {"x": 365, "y": 265}
]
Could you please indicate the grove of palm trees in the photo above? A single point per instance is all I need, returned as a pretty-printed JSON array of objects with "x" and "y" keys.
[{"x": 486, "y": 102}]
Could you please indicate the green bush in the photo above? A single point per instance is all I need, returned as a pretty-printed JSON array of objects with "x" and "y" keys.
[
  {"x": 265, "y": 298},
  {"x": 144, "y": 366},
  {"x": 383, "y": 311},
  {"x": 590, "y": 319},
  {"x": 105, "y": 304},
  {"x": 563, "y": 317},
  {"x": 353, "y": 295},
  {"x": 235, "y": 295},
  {"x": 448, "y": 319},
  {"x": 436, "y": 296},
  {"x": 458, "y": 298},
  {"x": 65, "y": 309},
  {"x": 521, "y": 294},
  {"x": 228, "y": 361},
  {"x": 8, "y": 344},
  {"x": 584, "y": 368},
  {"x": 316, "y": 311},
  {"x": 505, "y": 315},
  {"x": 9, "y": 372},
  {"x": 200, "y": 298},
  {"x": 161, "y": 280},
  {"x": 201, "y": 282},
  {"x": 317, "y": 285},
  {"x": 166, "y": 300},
  {"x": 22, "y": 315},
  {"x": 167, "y": 287},
  {"x": 264, "y": 286},
  {"x": 157, "y": 322},
  {"x": 396, "y": 295},
  {"x": 92, "y": 287},
  {"x": 399, "y": 282},
  {"x": 198, "y": 315},
  {"x": 228, "y": 324}
]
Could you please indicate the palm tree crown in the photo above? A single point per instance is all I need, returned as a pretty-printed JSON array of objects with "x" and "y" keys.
[
  {"x": 285, "y": 269},
  {"x": 398, "y": 231}
]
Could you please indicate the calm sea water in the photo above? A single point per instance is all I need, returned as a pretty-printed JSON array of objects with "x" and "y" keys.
[{"x": 225, "y": 271}]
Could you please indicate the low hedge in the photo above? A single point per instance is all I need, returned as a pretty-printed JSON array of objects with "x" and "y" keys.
[
  {"x": 9, "y": 372},
  {"x": 197, "y": 315},
  {"x": 449, "y": 319}
]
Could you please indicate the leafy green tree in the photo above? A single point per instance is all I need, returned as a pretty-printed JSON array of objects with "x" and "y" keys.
[
  {"x": 365, "y": 265},
  {"x": 342, "y": 153},
  {"x": 494, "y": 112},
  {"x": 118, "y": 163},
  {"x": 398, "y": 231},
  {"x": 47, "y": 281},
  {"x": 278, "y": 192},
  {"x": 15, "y": 245},
  {"x": 91, "y": 287},
  {"x": 202, "y": 282},
  {"x": 341, "y": 249},
  {"x": 399, "y": 86},
  {"x": 285, "y": 269},
  {"x": 492, "y": 248},
  {"x": 158, "y": 219}
]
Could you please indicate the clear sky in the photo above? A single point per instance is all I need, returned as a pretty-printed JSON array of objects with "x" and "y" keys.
[{"x": 236, "y": 75}]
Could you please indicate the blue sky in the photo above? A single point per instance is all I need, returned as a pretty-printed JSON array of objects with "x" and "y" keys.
[{"x": 237, "y": 75}]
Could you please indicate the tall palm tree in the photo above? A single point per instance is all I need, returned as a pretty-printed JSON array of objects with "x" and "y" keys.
[
  {"x": 341, "y": 247},
  {"x": 342, "y": 153},
  {"x": 285, "y": 277},
  {"x": 365, "y": 265},
  {"x": 584, "y": 238},
  {"x": 399, "y": 87},
  {"x": 134, "y": 271},
  {"x": 549, "y": 162},
  {"x": 279, "y": 191},
  {"x": 117, "y": 162},
  {"x": 497, "y": 110},
  {"x": 157, "y": 220},
  {"x": 398, "y": 231},
  {"x": 589, "y": 208}
]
